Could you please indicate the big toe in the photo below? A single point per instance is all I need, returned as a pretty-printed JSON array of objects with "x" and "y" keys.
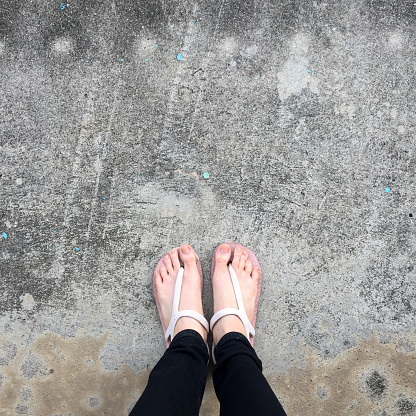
[
  {"x": 223, "y": 254},
  {"x": 188, "y": 255}
]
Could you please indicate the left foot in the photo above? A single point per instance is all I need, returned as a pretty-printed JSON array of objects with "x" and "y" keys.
[
  {"x": 191, "y": 294},
  {"x": 224, "y": 295}
]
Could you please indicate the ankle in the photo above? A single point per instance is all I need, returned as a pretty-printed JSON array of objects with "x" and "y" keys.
[
  {"x": 190, "y": 323},
  {"x": 228, "y": 323}
]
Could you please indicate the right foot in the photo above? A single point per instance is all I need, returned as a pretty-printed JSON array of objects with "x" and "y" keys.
[
  {"x": 224, "y": 296},
  {"x": 191, "y": 293}
]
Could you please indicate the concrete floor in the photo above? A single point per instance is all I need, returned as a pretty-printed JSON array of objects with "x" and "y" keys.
[{"x": 302, "y": 115}]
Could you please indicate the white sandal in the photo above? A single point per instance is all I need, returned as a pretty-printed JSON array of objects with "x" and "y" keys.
[
  {"x": 240, "y": 312},
  {"x": 176, "y": 314}
]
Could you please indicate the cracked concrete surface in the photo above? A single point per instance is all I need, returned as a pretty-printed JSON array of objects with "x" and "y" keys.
[{"x": 302, "y": 114}]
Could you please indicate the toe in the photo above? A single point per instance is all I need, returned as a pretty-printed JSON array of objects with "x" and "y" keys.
[
  {"x": 188, "y": 255},
  {"x": 223, "y": 254},
  {"x": 163, "y": 273},
  {"x": 244, "y": 257},
  {"x": 248, "y": 267},
  {"x": 158, "y": 280},
  {"x": 168, "y": 263},
  {"x": 237, "y": 257},
  {"x": 256, "y": 274},
  {"x": 175, "y": 259}
]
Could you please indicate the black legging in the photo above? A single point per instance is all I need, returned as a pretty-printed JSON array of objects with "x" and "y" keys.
[{"x": 177, "y": 382}]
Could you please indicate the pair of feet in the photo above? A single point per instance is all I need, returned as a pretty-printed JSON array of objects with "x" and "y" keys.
[{"x": 191, "y": 296}]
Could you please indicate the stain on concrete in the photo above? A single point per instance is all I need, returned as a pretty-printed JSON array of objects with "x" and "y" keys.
[
  {"x": 94, "y": 401},
  {"x": 28, "y": 302},
  {"x": 376, "y": 385},
  {"x": 406, "y": 406},
  {"x": 322, "y": 392},
  {"x": 371, "y": 378},
  {"x": 26, "y": 393},
  {"x": 7, "y": 352},
  {"x": 62, "y": 46},
  {"x": 21, "y": 409},
  {"x": 32, "y": 367},
  {"x": 78, "y": 386}
]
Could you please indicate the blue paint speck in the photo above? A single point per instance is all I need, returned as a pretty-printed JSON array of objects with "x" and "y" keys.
[
  {"x": 179, "y": 57},
  {"x": 206, "y": 175},
  {"x": 309, "y": 71},
  {"x": 152, "y": 112},
  {"x": 62, "y": 6},
  {"x": 87, "y": 61},
  {"x": 76, "y": 248},
  {"x": 138, "y": 176},
  {"x": 192, "y": 23},
  {"x": 122, "y": 59},
  {"x": 100, "y": 260},
  {"x": 54, "y": 231},
  {"x": 50, "y": 245},
  {"x": 387, "y": 190},
  {"x": 4, "y": 236},
  {"x": 157, "y": 46},
  {"x": 181, "y": 38}
]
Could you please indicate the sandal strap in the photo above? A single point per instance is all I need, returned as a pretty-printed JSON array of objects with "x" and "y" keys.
[
  {"x": 240, "y": 312},
  {"x": 176, "y": 314}
]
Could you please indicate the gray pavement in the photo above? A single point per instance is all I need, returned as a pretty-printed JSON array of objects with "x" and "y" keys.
[{"x": 285, "y": 125}]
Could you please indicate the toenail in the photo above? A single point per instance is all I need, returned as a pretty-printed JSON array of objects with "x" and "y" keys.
[
  {"x": 185, "y": 249},
  {"x": 224, "y": 249},
  {"x": 238, "y": 250}
]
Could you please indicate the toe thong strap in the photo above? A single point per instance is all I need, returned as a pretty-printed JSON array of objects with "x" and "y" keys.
[
  {"x": 176, "y": 314},
  {"x": 240, "y": 312}
]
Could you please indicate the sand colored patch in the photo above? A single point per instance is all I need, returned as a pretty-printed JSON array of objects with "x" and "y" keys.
[
  {"x": 65, "y": 376},
  {"x": 62, "y": 376}
]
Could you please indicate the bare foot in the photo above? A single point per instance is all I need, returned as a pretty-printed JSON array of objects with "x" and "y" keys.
[
  {"x": 190, "y": 293},
  {"x": 222, "y": 286}
]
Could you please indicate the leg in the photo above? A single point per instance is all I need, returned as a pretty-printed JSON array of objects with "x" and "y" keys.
[
  {"x": 239, "y": 383},
  {"x": 238, "y": 380},
  {"x": 177, "y": 382}
]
